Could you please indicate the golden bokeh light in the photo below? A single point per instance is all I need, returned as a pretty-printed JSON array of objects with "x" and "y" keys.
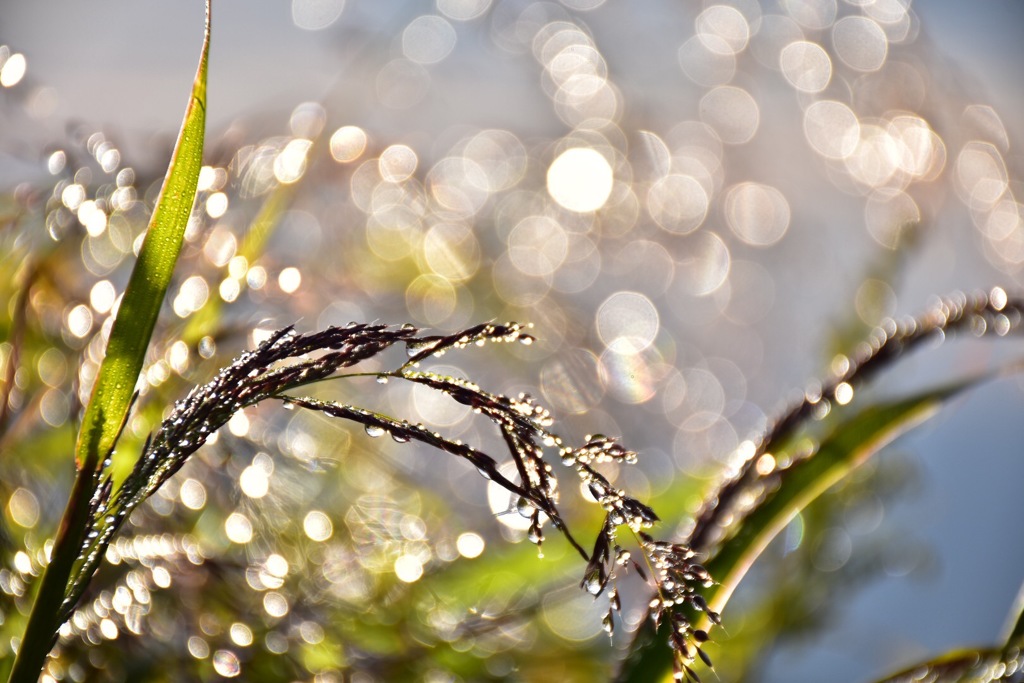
[
  {"x": 470, "y": 544},
  {"x": 348, "y": 143}
]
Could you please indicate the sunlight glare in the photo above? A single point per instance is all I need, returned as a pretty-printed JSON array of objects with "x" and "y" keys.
[{"x": 580, "y": 179}]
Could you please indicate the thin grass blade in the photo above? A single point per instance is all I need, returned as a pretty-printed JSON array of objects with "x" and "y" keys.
[
  {"x": 113, "y": 392},
  {"x": 140, "y": 305},
  {"x": 978, "y": 665},
  {"x": 1014, "y": 631}
]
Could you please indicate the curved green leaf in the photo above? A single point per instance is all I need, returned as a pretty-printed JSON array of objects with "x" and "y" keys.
[
  {"x": 112, "y": 393},
  {"x": 1014, "y": 631},
  {"x": 140, "y": 305},
  {"x": 847, "y": 447},
  {"x": 977, "y": 665}
]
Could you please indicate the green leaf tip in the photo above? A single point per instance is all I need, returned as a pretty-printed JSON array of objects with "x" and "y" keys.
[{"x": 140, "y": 306}]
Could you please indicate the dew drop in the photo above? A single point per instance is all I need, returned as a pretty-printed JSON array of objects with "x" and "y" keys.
[
  {"x": 374, "y": 431},
  {"x": 289, "y": 406},
  {"x": 524, "y": 507},
  {"x": 593, "y": 584},
  {"x": 399, "y": 438},
  {"x": 382, "y": 379}
]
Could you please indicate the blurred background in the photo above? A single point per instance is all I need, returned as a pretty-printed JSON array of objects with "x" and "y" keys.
[{"x": 697, "y": 205}]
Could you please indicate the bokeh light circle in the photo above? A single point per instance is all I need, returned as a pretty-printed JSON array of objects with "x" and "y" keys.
[
  {"x": 832, "y": 129},
  {"x": 704, "y": 264},
  {"x": 757, "y": 214},
  {"x": 627, "y": 322},
  {"x": 580, "y": 179},
  {"x": 806, "y": 66},
  {"x": 723, "y": 29},
  {"x": 428, "y": 39},
  {"x": 678, "y": 203},
  {"x": 314, "y": 15},
  {"x": 732, "y": 112},
  {"x": 860, "y": 43}
]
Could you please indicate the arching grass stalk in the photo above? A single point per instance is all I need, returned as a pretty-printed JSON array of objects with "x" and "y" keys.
[{"x": 288, "y": 361}]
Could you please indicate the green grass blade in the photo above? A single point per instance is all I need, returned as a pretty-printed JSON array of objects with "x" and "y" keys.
[
  {"x": 115, "y": 385},
  {"x": 140, "y": 305},
  {"x": 843, "y": 451},
  {"x": 847, "y": 447},
  {"x": 1014, "y": 631},
  {"x": 977, "y": 665}
]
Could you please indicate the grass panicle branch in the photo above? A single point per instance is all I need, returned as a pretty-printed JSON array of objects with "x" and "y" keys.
[
  {"x": 288, "y": 361},
  {"x": 980, "y": 314},
  {"x": 784, "y": 474}
]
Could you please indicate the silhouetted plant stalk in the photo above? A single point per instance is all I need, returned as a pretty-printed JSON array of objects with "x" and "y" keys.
[{"x": 288, "y": 361}]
